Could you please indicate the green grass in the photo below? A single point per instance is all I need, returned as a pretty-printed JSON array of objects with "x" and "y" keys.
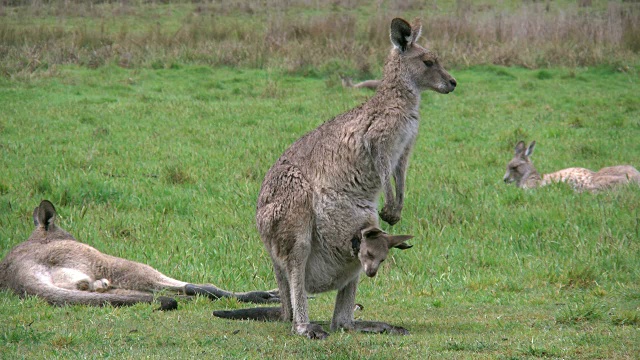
[{"x": 164, "y": 167}]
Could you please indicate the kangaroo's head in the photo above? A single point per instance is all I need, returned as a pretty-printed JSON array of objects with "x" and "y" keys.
[
  {"x": 374, "y": 248},
  {"x": 44, "y": 217},
  {"x": 418, "y": 66},
  {"x": 520, "y": 168}
]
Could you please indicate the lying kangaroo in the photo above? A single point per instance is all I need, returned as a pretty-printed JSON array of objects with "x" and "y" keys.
[
  {"x": 324, "y": 190},
  {"x": 51, "y": 264},
  {"x": 521, "y": 171},
  {"x": 367, "y": 84}
]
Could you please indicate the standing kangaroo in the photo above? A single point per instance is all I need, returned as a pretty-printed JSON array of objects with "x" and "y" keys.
[
  {"x": 521, "y": 171},
  {"x": 51, "y": 264},
  {"x": 323, "y": 192}
]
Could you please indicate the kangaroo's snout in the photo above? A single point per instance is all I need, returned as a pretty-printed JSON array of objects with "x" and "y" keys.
[
  {"x": 447, "y": 86},
  {"x": 370, "y": 269},
  {"x": 371, "y": 272}
]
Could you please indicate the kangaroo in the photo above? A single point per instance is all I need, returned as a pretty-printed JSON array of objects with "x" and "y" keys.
[
  {"x": 367, "y": 84},
  {"x": 521, "y": 171},
  {"x": 324, "y": 190},
  {"x": 53, "y": 265}
]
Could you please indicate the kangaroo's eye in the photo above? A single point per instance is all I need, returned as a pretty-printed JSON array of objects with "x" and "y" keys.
[
  {"x": 428, "y": 63},
  {"x": 369, "y": 255}
]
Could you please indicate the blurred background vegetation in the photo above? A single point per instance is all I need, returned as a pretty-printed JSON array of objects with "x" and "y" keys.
[{"x": 312, "y": 36}]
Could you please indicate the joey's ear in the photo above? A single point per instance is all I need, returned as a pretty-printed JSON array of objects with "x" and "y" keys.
[
  {"x": 44, "y": 215},
  {"x": 371, "y": 232},
  {"x": 520, "y": 147},
  {"x": 401, "y": 34},
  {"x": 530, "y": 149},
  {"x": 398, "y": 241}
]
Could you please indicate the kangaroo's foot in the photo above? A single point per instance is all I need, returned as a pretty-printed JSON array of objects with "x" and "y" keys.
[
  {"x": 312, "y": 331},
  {"x": 377, "y": 327},
  {"x": 258, "y": 297},
  {"x": 390, "y": 214},
  {"x": 215, "y": 293}
]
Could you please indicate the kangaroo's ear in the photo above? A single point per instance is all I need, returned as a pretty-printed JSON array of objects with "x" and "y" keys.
[
  {"x": 398, "y": 241},
  {"x": 44, "y": 215},
  {"x": 371, "y": 232},
  {"x": 416, "y": 30},
  {"x": 530, "y": 149},
  {"x": 520, "y": 147},
  {"x": 401, "y": 34}
]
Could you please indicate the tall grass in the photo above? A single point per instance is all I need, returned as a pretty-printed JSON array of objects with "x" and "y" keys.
[{"x": 312, "y": 36}]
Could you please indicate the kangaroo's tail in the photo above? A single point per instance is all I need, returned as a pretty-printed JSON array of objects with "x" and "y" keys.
[
  {"x": 260, "y": 314},
  {"x": 59, "y": 296}
]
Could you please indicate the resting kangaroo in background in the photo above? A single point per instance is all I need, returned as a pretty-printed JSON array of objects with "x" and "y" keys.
[
  {"x": 367, "y": 84},
  {"x": 324, "y": 190},
  {"x": 51, "y": 264},
  {"x": 521, "y": 171}
]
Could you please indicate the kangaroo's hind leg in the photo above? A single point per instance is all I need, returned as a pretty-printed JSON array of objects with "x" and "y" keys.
[
  {"x": 344, "y": 307},
  {"x": 136, "y": 276},
  {"x": 285, "y": 292}
]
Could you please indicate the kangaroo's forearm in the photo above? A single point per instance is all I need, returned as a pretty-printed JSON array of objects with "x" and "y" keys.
[
  {"x": 382, "y": 167},
  {"x": 400, "y": 174}
]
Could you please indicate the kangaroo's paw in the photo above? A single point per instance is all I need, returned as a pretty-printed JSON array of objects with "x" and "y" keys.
[
  {"x": 260, "y": 297},
  {"x": 377, "y": 327},
  {"x": 101, "y": 285},
  {"x": 312, "y": 331},
  {"x": 167, "y": 303},
  {"x": 390, "y": 214}
]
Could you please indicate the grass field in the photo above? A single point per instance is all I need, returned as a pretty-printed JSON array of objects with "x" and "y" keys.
[
  {"x": 164, "y": 167},
  {"x": 150, "y": 126}
]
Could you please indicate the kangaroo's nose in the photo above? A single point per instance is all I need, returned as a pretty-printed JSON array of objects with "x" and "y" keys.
[{"x": 453, "y": 82}]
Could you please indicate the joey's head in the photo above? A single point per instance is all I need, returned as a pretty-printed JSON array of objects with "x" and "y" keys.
[
  {"x": 44, "y": 219},
  {"x": 374, "y": 248},
  {"x": 420, "y": 67},
  {"x": 520, "y": 168}
]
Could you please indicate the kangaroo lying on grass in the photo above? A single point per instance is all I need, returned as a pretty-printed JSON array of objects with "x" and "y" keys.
[
  {"x": 367, "y": 84},
  {"x": 323, "y": 192},
  {"x": 521, "y": 171},
  {"x": 51, "y": 264}
]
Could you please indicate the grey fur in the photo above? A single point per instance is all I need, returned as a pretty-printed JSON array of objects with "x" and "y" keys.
[
  {"x": 51, "y": 264},
  {"x": 324, "y": 190}
]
